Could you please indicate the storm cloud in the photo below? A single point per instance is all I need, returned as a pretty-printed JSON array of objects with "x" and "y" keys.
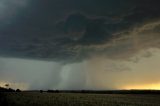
[
  {"x": 65, "y": 35},
  {"x": 50, "y": 29}
]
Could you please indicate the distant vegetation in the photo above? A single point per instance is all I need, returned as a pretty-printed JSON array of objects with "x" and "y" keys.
[
  {"x": 87, "y": 91},
  {"x": 9, "y": 90},
  {"x": 6, "y": 89},
  {"x": 107, "y": 91}
]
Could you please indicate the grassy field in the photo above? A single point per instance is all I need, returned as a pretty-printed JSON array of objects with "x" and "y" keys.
[{"x": 71, "y": 99}]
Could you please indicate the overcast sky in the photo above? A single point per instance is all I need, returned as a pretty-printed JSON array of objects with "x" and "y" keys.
[{"x": 80, "y": 44}]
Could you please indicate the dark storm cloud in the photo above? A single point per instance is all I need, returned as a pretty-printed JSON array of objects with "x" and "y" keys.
[
  {"x": 60, "y": 29},
  {"x": 93, "y": 44},
  {"x": 84, "y": 30}
]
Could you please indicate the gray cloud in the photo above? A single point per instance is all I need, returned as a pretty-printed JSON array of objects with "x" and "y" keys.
[{"x": 52, "y": 30}]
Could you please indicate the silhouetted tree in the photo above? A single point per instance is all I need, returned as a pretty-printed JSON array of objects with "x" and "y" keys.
[
  {"x": 11, "y": 90},
  {"x": 41, "y": 91},
  {"x": 18, "y": 90},
  {"x": 57, "y": 91},
  {"x": 6, "y": 85}
]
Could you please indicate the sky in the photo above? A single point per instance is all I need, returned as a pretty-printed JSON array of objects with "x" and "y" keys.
[{"x": 80, "y": 44}]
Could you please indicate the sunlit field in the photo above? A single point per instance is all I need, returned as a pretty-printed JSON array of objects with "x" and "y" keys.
[{"x": 77, "y": 99}]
